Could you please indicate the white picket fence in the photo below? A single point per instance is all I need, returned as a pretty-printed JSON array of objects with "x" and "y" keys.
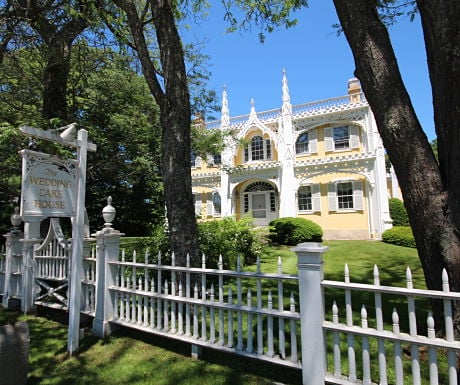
[
  {"x": 404, "y": 348},
  {"x": 271, "y": 316},
  {"x": 217, "y": 308}
]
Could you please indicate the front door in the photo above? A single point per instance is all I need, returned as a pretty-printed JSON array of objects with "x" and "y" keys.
[
  {"x": 259, "y": 199},
  {"x": 259, "y": 208}
]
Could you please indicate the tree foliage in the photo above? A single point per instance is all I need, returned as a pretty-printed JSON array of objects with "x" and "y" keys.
[{"x": 110, "y": 100}]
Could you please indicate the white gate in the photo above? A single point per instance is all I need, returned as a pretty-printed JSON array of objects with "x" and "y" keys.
[{"x": 51, "y": 269}]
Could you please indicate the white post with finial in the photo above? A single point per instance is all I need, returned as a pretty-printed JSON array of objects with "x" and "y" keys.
[
  {"x": 13, "y": 247},
  {"x": 310, "y": 272},
  {"x": 107, "y": 249}
]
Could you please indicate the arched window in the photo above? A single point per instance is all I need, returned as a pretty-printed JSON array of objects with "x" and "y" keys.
[
  {"x": 258, "y": 149},
  {"x": 301, "y": 146}
]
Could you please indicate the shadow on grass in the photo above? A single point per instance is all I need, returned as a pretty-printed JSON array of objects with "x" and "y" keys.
[{"x": 237, "y": 368}]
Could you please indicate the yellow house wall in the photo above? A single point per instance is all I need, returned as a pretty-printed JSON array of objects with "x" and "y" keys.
[
  {"x": 335, "y": 224},
  {"x": 321, "y": 147},
  {"x": 343, "y": 224},
  {"x": 203, "y": 215},
  {"x": 204, "y": 168}
]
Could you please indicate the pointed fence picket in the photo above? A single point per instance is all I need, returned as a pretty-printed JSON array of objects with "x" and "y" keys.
[
  {"x": 402, "y": 348},
  {"x": 150, "y": 297}
]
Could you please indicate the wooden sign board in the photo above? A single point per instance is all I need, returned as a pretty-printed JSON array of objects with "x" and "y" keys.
[{"x": 49, "y": 185}]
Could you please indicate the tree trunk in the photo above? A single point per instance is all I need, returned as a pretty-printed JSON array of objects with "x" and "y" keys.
[
  {"x": 176, "y": 122},
  {"x": 428, "y": 192},
  {"x": 175, "y": 117},
  {"x": 55, "y": 77},
  {"x": 57, "y": 38}
]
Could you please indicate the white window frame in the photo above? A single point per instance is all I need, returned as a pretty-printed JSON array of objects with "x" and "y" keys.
[
  {"x": 357, "y": 193},
  {"x": 197, "y": 202},
  {"x": 266, "y": 151},
  {"x": 353, "y": 138},
  {"x": 312, "y": 143},
  {"x": 315, "y": 192},
  {"x": 211, "y": 206},
  {"x": 197, "y": 162}
]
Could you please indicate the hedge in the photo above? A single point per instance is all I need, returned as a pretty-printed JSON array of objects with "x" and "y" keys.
[
  {"x": 399, "y": 235},
  {"x": 398, "y": 212},
  {"x": 292, "y": 231}
]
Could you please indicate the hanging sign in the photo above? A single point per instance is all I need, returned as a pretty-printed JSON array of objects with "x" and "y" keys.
[{"x": 49, "y": 185}]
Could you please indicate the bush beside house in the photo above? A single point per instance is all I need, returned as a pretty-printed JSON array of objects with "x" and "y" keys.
[
  {"x": 292, "y": 231},
  {"x": 398, "y": 212},
  {"x": 399, "y": 235}
]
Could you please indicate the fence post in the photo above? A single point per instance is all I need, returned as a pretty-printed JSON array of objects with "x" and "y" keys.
[
  {"x": 13, "y": 249},
  {"x": 31, "y": 240},
  {"x": 310, "y": 273},
  {"x": 107, "y": 249}
]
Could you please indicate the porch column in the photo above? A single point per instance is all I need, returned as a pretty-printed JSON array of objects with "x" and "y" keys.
[{"x": 287, "y": 190}]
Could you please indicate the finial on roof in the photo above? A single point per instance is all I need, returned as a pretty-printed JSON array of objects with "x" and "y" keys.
[
  {"x": 287, "y": 108},
  {"x": 225, "y": 113},
  {"x": 286, "y": 97},
  {"x": 253, "y": 110}
]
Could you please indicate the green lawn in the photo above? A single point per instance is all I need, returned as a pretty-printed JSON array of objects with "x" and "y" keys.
[{"x": 130, "y": 358}]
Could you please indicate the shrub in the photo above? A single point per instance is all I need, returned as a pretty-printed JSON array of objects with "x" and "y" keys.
[
  {"x": 226, "y": 237},
  {"x": 398, "y": 212},
  {"x": 292, "y": 231},
  {"x": 399, "y": 235},
  {"x": 230, "y": 238}
]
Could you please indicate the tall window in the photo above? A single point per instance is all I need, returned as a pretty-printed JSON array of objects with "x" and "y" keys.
[
  {"x": 197, "y": 203},
  {"x": 301, "y": 146},
  {"x": 341, "y": 138},
  {"x": 217, "y": 158},
  {"x": 345, "y": 195},
  {"x": 258, "y": 149},
  {"x": 193, "y": 159},
  {"x": 304, "y": 198},
  {"x": 213, "y": 204}
]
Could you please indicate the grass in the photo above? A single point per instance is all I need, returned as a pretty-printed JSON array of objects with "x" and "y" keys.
[{"x": 128, "y": 357}]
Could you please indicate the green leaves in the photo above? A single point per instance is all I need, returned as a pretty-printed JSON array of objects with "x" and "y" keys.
[{"x": 266, "y": 14}]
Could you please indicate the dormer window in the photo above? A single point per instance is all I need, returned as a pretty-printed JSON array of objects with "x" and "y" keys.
[{"x": 258, "y": 149}]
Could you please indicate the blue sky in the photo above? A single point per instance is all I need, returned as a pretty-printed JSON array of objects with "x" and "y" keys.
[{"x": 318, "y": 64}]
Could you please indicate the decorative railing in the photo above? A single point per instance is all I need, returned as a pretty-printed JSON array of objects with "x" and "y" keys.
[
  {"x": 320, "y": 106},
  {"x": 327, "y": 104}
]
